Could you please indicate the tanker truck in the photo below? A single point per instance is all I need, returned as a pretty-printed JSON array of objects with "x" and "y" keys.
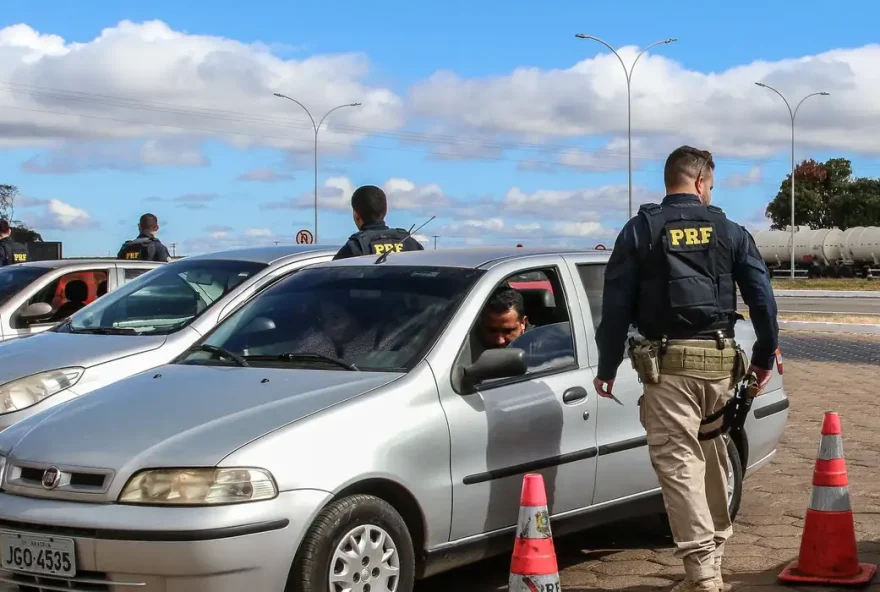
[{"x": 822, "y": 252}]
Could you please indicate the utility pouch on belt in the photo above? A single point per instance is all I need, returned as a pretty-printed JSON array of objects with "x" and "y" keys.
[{"x": 645, "y": 360}]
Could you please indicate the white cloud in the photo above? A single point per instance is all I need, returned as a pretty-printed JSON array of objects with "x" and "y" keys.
[
  {"x": 148, "y": 73},
  {"x": 56, "y": 215},
  {"x": 575, "y": 204},
  {"x": 723, "y": 112},
  {"x": 259, "y": 232},
  {"x": 742, "y": 180},
  {"x": 120, "y": 155},
  {"x": 265, "y": 175}
]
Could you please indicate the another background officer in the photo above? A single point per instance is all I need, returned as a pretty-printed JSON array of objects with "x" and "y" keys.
[
  {"x": 672, "y": 275},
  {"x": 146, "y": 247},
  {"x": 11, "y": 252},
  {"x": 369, "y": 207}
]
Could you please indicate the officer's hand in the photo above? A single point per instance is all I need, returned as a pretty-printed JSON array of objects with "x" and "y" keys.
[
  {"x": 763, "y": 376},
  {"x": 603, "y": 387}
]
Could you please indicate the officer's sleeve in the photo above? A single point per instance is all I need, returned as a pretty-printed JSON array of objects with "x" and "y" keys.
[
  {"x": 161, "y": 253},
  {"x": 618, "y": 301},
  {"x": 753, "y": 279},
  {"x": 4, "y": 255},
  {"x": 119, "y": 252},
  {"x": 349, "y": 249},
  {"x": 414, "y": 244}
]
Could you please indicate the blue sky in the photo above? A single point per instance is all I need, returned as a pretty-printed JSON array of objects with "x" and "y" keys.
[{"x": 167, "y": 117}]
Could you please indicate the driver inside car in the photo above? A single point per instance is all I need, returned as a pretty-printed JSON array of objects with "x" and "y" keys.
[{"x": 503, "y": 319}]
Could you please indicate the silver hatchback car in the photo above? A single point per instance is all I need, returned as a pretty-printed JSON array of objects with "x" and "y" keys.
[
  {"x": 145, "y": 323},
  {"x": 350, "y": 428}
]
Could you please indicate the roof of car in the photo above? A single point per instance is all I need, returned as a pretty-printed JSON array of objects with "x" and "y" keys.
[
  {"x": 268, "y": 255},
  {"x": 473, "y": 257},
  {"x": 58, "y": 263}
]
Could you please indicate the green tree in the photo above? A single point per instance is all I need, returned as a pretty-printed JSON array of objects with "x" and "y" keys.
[{"x": 20, "y": 231}]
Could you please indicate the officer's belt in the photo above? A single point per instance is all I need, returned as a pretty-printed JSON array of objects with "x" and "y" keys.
[{"x": 698, "y": 355}]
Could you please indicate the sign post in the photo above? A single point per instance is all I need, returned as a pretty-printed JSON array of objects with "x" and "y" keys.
[{"x": 304, "y": 237}]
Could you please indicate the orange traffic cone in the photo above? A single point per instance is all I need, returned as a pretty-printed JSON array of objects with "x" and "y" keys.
[
  {"x": 533, "y": 566},
  {"x": 828, "y": 546}
]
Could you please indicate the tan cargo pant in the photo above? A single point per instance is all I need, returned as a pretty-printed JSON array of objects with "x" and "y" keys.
[{"x": 692, "y": 473}]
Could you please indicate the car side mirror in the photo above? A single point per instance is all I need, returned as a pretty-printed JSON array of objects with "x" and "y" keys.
[
  {"x": 259, "y": 324},
  {"x": 502, "y": 362},
  {"x": 38, "y": 311}
]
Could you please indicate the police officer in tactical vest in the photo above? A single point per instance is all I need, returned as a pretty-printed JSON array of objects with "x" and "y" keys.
[
  {"x": 672, "y": 274},
  {"x": 369, "y": 206},
  {"x": 146, "y": 247},
  {"x": 11, "y": 252}
]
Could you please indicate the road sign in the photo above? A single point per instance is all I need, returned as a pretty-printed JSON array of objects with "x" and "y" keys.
[{"x": 304, "y": 237}]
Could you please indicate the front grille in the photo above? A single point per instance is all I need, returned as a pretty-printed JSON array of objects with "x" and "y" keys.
[
  {"x": 85, "y": 581},
  {"x": 69, "y": 480}
]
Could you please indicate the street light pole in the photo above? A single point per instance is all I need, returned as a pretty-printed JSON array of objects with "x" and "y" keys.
[
  {"x": 792, "y": 114},
  {"x": 316, "y": 128},
  {"x": 628, "y": 72}
]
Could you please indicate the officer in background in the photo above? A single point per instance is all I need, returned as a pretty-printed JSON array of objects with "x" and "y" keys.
[
  {"x": 146, "y": 247},
  {"x": 369, "y": 206},
  {"x": 672, "y": 275},
  {"x": 11, "y": 252}
]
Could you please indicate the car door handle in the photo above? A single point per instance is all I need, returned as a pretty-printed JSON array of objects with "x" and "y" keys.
[{"x": 574, "y": 394}]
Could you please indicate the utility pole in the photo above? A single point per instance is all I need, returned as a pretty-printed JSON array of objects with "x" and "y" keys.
[
  {"x": 628, "y": 72},
  {"x": 435, "y": 241},
  {"x": 174, "y": 249},
  {"x": 316, "y": 128},
  {"x": 793, "y": 114}
]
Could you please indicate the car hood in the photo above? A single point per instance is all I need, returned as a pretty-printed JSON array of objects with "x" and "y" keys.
[
  {"x": 50, "y": 350},
  {"x": 179, "y": 415}
]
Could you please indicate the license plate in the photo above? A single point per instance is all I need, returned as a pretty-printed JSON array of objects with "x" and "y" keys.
[{"x": 42, "y": 555}]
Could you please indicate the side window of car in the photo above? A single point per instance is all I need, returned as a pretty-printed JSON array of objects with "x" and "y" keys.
[
  {"x": 593, "y": 278},
  {"x": 66, "y": 295},
  {"x": 547, "y": 340},
  {"x": 133, "y": 272}
]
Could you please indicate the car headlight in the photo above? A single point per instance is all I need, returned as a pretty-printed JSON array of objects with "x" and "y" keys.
[
  {"x": 182, "y": 487},
  {"x": 30, "y": 390}
]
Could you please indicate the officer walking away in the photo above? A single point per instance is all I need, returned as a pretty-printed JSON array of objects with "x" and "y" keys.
[
  {"x": 146, "y": 247},
  {"x": 369, "y": 207},
  {"x": 672, "y": 274},
  {"x": 11, "y": 252}
]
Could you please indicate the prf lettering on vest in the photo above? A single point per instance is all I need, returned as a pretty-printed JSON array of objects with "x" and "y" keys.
[
  {"x": 691, "y": 236},
  {"x": 19, "y": 257},
  {"x": 381, "y": 248},
  {"x": 132, "y": 255}
]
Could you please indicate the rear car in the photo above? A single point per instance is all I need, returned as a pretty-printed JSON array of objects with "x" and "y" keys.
[{"x": 144, "y": 324}]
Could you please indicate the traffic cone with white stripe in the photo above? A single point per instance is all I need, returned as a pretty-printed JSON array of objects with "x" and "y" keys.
[
  {"x": 828, "y": 552},
  {"x": 533, "y": 566}
]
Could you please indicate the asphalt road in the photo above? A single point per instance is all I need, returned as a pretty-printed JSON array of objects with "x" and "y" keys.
[{"x": 856, "y": 306}]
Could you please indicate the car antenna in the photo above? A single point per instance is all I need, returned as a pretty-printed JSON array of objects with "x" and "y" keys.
[{"x": 409, "y": 233}]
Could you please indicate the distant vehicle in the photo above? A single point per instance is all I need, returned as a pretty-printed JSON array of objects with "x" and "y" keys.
[
  {"x": 36, "y": 295},
  {"x": 143, "y": 324},
  {"x": 345, "y": 429},
  {"x": 822, "y": 252}
]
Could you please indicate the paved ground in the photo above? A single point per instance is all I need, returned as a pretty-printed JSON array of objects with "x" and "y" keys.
[
  {"x": 859, "y": 306},
  {"x": 769, "y": 524}
]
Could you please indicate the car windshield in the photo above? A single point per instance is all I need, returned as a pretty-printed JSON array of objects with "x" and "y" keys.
[
  {"x": 376, "y": 318},
  {"x": 165, "y": 300},
  {"x": 14, "y": 278}
]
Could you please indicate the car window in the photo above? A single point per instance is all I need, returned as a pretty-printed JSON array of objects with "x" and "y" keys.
[
  {"x": 547, "y": 341},
  {"x": 167, "y": 300},
  {"x": 593, "y": 278},
  {"x": 14, "y": 279},
  {"x": 132, "y": 273},
  {"x": 66, "y": 295},
  {"x": 377, "y": 318}
]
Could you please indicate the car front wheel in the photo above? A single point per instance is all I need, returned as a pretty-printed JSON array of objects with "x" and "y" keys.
[
  {"x": 734, "y": 478},
  {"x": 357, "y": 543}
]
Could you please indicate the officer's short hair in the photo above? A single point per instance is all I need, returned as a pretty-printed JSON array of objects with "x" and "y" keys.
[
  {"x": 686, "y": 164},
  {"x": 4, "y": 226},
  {"x": 149, "y": 222},
  {"x": 503, "y": 299},
  {"x": 370, "y": 203}
]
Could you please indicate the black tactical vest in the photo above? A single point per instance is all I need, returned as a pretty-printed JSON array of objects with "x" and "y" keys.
[
  {"x": 378, "y": 242},
  {"x": 139, "y": 249},
  {"x": 18, "y": 252},
  {"x": 686, "y": 289}
]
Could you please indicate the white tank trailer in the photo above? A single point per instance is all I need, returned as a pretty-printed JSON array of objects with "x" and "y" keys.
[{"x": 822, "y": 252}]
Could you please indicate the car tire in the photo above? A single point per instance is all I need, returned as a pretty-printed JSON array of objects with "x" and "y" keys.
[
  {"x": 366, "y": 518},
  {"x": 736, "y": 475}
]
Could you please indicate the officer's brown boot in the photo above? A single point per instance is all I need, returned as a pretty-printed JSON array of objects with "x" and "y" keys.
[
  {"x": 722, "y": 586},
  {"x": 687, "y": 585}
]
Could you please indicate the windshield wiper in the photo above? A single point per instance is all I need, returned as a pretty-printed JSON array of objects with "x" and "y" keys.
[
  {"x": 222, "y": 352},
  {"x": 102, "y": 330},
  {"x": 297, "y": 357}
]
